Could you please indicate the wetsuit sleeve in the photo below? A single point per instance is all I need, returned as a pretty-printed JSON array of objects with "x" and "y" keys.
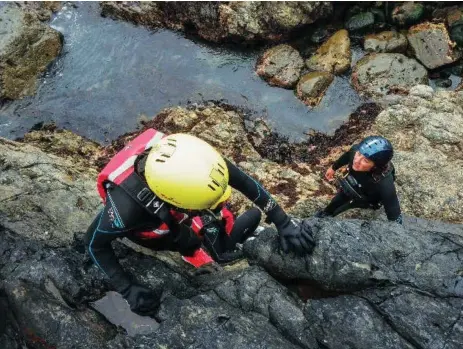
[
  {"x": 98, "y": 241},
  {"x": 254, "y": 191},
  {"x": 343, "y": 159},
  {"x": 390, "y": 200}
]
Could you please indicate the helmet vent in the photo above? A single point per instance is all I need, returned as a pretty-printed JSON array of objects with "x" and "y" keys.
[
  {"x": 160, "y": 160},
  {"x": 210, "y": 186},
  {"x": 216, "y": 183},
  {"x": 218, "y": 164}
]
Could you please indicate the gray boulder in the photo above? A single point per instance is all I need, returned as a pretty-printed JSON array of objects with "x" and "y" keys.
[
  {"x": 431, "y": 45},
  {"x": 280, "y": 66},
  {"x": 312, "y": 87},
  {"x": 378, "y": 74}
]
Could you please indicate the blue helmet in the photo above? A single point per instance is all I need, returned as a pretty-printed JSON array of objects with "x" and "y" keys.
[{"x": 378, "y": 149}]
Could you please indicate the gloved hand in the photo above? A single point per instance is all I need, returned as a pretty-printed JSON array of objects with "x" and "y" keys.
[
  {"x": 185, "y": 239},
  {"x": 294, "y": 235},
  {"x": 141, "y": 299}
]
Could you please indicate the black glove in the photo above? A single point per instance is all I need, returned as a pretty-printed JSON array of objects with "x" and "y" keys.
[
  {"x": 294, "y": 235},
  {"x": 141, "y": 299},
  {"x": 185, "y": 239}
]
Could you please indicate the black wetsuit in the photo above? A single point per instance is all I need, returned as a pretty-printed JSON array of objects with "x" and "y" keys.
[
  {"x": 375, "y": 190},
  {"x": 123, "y": 217}
]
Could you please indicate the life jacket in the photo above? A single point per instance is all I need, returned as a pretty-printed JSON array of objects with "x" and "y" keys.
[{"x": 122, "y": 165}]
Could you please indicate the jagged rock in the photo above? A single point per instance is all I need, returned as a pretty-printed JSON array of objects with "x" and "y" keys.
[
  {"x": 215, "y": 21},
  {"x": 334, "y": 56},
  {"x": 312, "y": 87},
  {"x": 388, "y": 41},
  {"x": 428, "y": 156},
  {"x": 280, "y": 66},
  {"x": 407, "y": 13},
  {"x": 27, "y": 47},
  {"x": 431, "y": 45},
  {"x": 378, "y": 74},
  {"x": 43, "y": 195},
  {"x": 360, "y": 22}
]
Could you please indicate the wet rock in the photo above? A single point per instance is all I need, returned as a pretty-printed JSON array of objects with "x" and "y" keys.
[
  {"x": 388, "y": 41},
  {"x": 43, "y": 195},
  {"x": 27, "y": 47},
  {"x": 334, "y": 323},
  {"x": 456, "y": 34},
  {"x": 214, "y": 21},
  {"x": 444, "y": 83},
  {"x": 312, "y": 87},
  {"x": 427, "y": 145},
  {"x": 38, "y": 313},
  {"x": 280, "y": 66},
  {"x": 407, "y": 13},
  {"x": 379, "y": 74},
  {"x": 360, "y": 22},
  {"x": 397, "y": 255},
  {"x": 334, "y": 56},
  {"x": 431, "y": 45},
  {"x": 319, "y": 35}
]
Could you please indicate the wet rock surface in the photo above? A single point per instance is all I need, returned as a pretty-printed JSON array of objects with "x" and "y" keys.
[
  {"x": 431, "y": 45},
  {"x": 27, "y": 47},
  {"x": 312, "y": 86},
  {"x": 280, "y": 66},
  {"x": 379, "y": 74},
  {"x": 334, "y": 56},
  {"x": 386, "y": 42},
  {"x": 214, "y": 21}
]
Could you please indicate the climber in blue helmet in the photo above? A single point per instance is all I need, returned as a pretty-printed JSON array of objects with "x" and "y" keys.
[{"x": 368, "y": 179}]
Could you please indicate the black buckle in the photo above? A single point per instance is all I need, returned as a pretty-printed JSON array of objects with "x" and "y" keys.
[{"x": 145, "y": 196}]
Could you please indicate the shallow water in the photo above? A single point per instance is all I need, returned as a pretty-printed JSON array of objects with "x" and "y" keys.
[{"x": 111, "y": 72}]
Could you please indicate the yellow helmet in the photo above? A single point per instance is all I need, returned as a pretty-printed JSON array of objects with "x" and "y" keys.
[{"x": 188, "y": 173}]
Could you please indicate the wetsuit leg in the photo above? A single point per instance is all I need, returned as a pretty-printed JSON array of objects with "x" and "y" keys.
[
  {"x": 337, "y": 203},
  {"x": 244, "y": 226}
]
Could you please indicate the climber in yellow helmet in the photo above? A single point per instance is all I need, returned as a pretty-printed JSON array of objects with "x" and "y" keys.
[{"x": 169, "y": 193}]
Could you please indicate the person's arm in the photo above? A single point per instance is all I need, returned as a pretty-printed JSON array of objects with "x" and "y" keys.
[
  {"x": 390, "y": 200},
  {"x": 100, "y": 250},
  {"x": 292, "y": 234},
  {"x": 250, "y": 188}
]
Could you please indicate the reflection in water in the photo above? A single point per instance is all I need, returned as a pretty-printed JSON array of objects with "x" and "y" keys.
[{"x": 111, "y": 72}]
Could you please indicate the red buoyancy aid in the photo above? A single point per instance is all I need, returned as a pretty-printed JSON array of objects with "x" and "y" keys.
[{"x": 122, "y": 165}]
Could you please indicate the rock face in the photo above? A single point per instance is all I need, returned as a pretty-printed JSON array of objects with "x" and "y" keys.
[
  {"x": 378, "y": 74},
  {"x": 428, "y": 156},
  {"x": 431, "y": 45},
  {"x": 43, "y": 195},
  {"x": 281, "y": 66},
  {"x": 215, "y": 21},
  {"x": 387, "y": 297},
  {"x": 334, "y": 56},
  {"x": 27, "y": 46},
  {"x": 386, "y": 42},
  {"x": 312, "y": 86}
]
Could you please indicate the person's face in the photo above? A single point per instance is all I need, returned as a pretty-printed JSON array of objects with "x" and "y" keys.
[{"x": 361, "y": 163}]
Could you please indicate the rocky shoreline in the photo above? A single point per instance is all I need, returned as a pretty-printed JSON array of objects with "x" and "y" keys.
[{"x": 368, "y": 284}]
